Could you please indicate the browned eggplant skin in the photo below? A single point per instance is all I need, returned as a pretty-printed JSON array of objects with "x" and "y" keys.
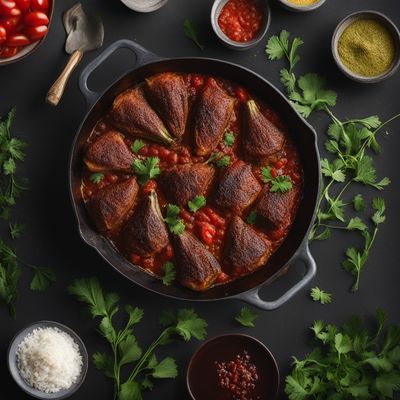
[
  {"x": 169, "y": 95},
  {"x": 261, "y": 137},
  {"x": 237, "y": 188},
  {"x": 212, "y": 114},
  {"x": 132, "y": 114},
  {"x": 197, "y": 267},
  {"x": 108, "y": 152},
  {"x": 184, "y": 182},
  {"x": 109, "y": 206},
  {"x": 245, "y": 249},
  {"x": 145, "y": 232},
  {"x": 277, "y": 208}
]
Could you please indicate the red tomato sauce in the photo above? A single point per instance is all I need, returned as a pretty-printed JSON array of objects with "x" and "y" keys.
[
  {"x": 240, "y": 20},
  {"x": 208, "y": 224}
]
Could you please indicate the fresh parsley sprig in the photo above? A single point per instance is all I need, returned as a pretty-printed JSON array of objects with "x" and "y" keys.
[
  {"x": 320, "y": 295},
  {"x": 175, "y": 224},
  {"x": 348, "y": 362},
  {"x": 190, "y": 32},
  {"x": 96, "y": 177},
  {"x": 146, "y": 169},
  {"x": 169, "y": 273},
  {"x": 219, "y": 159},
  {"x": 125, "y": 349},
  {"x": 196, "y": 203},
  {"x": 137, "y": 145},
  {"x": 246, "y": 317},
  {"x": 348, "y": 142},
  {"x": 281, "y": 183}
]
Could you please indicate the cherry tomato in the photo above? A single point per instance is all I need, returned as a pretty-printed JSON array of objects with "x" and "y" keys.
[
  {"x": 3, "y": 34},
  {"x": 10, "y": 23},
  {"x": 207, "y": 233},
  {"x": 16, "y": 40},
  {"x": 35, "y": 32},
  {"x": 149, "y": 186},
  {"x": 7, "y": 52},
  {"x": 23, "y": 5},
  {"x": 36, "y": 18},
  {"x": 111, "y": 178},
  {"x": 197, "y": 81},
  {"x": 39, "y": 4},
  {"x": 7, "y": 7}
]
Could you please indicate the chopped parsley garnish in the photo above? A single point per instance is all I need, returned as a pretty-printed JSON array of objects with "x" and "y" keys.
[
  {"x": 246, "y": 317},
  {"x": 96, "y": 177},
  {"x": 175, "y": 224},
  {"x": 319, "y": 295},
  {"x": 146, "y": 169},
  {"x": 280, "y": 183},
  {"x": 137, "y": 145},
  {"x": 219, "y": 159},
  {"x": 169, "y": 273},
  {"x": 197, "y": 203},
  {"x": 229, "y": 138}
]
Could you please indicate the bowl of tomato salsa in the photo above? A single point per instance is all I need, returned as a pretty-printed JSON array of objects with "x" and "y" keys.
[
  {"x": 240, "y": 24},
  {"x": 23, "y": 26}
]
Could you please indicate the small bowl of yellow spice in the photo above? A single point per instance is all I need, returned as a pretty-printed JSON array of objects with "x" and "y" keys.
[
  {"x": 366, "y": 46},
  {"x": 301, "y": 5}
]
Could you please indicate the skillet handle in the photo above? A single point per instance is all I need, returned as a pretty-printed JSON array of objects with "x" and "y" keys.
[
  {"x": 253, "y": 297},
  {"x": 143, "y": 56}
]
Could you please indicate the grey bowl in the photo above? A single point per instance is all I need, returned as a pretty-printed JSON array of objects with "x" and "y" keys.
[
  {"x": 139, "y": 6},
  {"x": 344, "y": 23},
  {"x": 13, "y": 366},
  {"x": 301, "y": 9},
  {"x": 232, "y": 44}
]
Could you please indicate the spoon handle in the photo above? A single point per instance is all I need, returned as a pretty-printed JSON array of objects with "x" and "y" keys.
[{"x": 57, "y": 89}]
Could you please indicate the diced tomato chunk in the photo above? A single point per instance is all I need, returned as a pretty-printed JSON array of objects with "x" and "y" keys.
[
  {"x": 149, "y": 186},
  {"x": 135, "y": 259},
  {"x": 207, "y": 232}
]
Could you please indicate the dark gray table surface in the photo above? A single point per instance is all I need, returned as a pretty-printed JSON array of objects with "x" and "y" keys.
[{"x": 51, "y": 236}]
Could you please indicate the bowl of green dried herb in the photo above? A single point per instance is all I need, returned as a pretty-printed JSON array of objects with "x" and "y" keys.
[{"x": 366, "y": 46}]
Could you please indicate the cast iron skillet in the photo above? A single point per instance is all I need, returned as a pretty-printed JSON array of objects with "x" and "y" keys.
[{"x": 295, "y": 246}]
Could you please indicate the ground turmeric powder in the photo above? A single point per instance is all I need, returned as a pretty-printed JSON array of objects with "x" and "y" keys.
[
  {"x": 303, "y": 2},
  {"x": 366, "y": 47}
]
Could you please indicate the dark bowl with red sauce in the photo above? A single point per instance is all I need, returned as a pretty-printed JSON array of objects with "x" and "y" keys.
[
  {"x": 240, "y": 24},
  {"x": 232, "y": 360}
]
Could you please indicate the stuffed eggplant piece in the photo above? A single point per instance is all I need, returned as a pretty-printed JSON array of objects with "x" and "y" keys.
[
  {"x": 110, "y": 205},
  {"x": 197, "y": 267},
  {"x": 261, "y": 137},
  {"x": 109, "y": 152},
  {"x": 145, "y": 233},
  {"x": 184, "y": 182},
  {"x": 277, "y": 208},
  {"x": 245, "y": 249},
  {"x": 132, "y": 114},
  {"x": 237, "y": 188},
  {"x": 212, "y": 114},
  {"x": 168, "y": 92}
]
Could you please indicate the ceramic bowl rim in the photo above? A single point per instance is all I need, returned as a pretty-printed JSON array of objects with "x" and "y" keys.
[
  {"x": 244, "y": 337},
  {"x": 287, "y": 4},
  {"x": 344, "y": 23},
  {"x": 215, "y": 12},
  {"x": 13, "y": 368}
]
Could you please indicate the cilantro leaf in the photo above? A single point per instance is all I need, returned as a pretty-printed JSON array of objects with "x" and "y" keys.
[
  {"x": 278, "y": 46},
  {"x": 246, "y": 317},
  {"x": 281, "y": 183},
  {"x": 104, "y": 362},
  {"x": 169, "y": 273},
  {"x": 229, "y": 138},
  {"x": 356, "y": 224},
  {"x": 333, "y": 170},
  {"x": 219, "y": 160},
  {"x": 42, "y": 278},
  {"x": 378, "y": 204},
  {"x": 251, "y": 218},
  {"x": 319, "y": 295},
  {"x": 189, "y": 324},
  {"x": 190, "y": 32},
  {"x": 196, "y": 203},
  {"x": 16, "y": 230},
  {"x": 96, "y": 177},
  {"x": 166, "y": 368},
  {"x": 175, "y": 224},
  {"x": 147, "y": 169},
  {"x": 137, "y": 145},
  {"x": 358, "y": 202}
]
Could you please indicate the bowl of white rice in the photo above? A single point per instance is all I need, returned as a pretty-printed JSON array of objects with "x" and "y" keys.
[{"x": 48, "y": 360}]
